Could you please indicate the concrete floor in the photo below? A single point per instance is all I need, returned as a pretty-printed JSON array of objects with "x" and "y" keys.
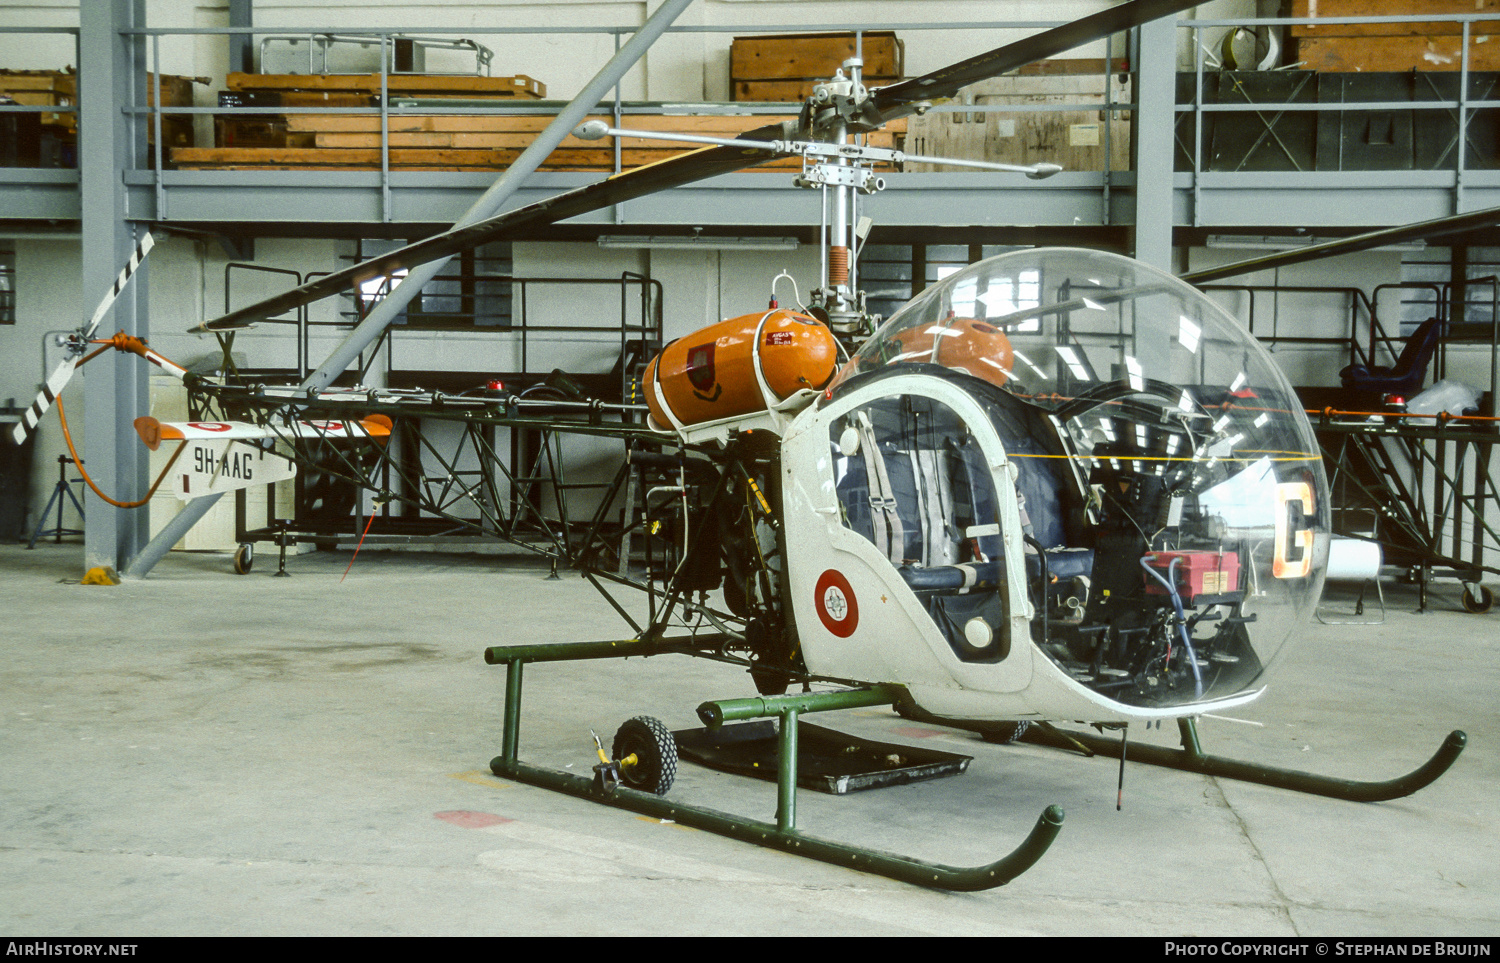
[{"x": 201, "y": 753}]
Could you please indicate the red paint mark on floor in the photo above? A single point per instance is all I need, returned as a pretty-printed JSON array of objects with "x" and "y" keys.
[
  {"x": 471, "y": 820},
  {"x": 913, "y": 732}
]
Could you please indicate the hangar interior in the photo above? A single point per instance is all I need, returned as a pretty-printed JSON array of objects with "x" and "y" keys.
[{"x": 207, "y": 748}]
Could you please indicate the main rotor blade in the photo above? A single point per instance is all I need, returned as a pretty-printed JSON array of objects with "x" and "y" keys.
[
  {"x": 1438, "y": 227},
  {"x": 627, "y": 185},
  {"x": 895, "y": 101},
  {"x": 899, "y": 100}
]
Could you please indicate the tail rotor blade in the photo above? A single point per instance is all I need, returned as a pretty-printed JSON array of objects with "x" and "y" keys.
[
  {"x": 136, "y": 257},
  {"x": 54, "y": 386}
]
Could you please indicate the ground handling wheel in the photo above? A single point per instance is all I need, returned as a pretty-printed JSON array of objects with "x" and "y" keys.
[
  {"x": 647, "y": 755},
  {"x": 244, "y": 558},
  {"x": 1478, "y": 602}
]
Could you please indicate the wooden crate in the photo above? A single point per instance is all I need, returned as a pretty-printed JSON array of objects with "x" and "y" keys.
[
  {"x": 1388, "y": 54},
  {"x": 59, "y": 88},
  {"x": 785, "y": 67},
  {"x": 1386, "y": 47},
  {"x": 258, "y": 131},
  {"x": 1390, "y": 8},
  {"x": 1072, "y": 138}
]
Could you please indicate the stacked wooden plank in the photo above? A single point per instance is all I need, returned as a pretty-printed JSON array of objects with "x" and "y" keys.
[
  {"x": 785, "y": 67},
  {"x": 52, "y": 137},
  {"x": 309, "y": 86},
  {"x": 1387, "y": 47},
  {"x": 470, "y": 142},
  {"x": 340, "y": 90}
]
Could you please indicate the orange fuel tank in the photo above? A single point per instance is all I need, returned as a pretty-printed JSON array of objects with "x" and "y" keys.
[{"x": 711, "y": 373}]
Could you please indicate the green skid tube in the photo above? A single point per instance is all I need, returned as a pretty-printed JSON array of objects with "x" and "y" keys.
[
  {"x": 903, "y": 868},
  {"x": 1192, "y": 758},
  {"x": 782, "y": 835}
]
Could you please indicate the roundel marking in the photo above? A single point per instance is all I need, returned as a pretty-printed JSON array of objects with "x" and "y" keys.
[
  {"x": 838, "y": 609},
  {"x": 209, "y": 425}
]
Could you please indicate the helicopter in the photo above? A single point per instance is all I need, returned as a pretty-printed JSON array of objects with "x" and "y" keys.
[{"x": 1059, "y": 485}]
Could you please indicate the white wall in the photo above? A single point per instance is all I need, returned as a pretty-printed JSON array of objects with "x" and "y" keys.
[
  {"x": 47, "y": 300},
  {"x": 1317, "y": 315}
]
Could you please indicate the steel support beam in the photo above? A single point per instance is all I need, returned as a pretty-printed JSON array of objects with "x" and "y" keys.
[
  {"x": 115, "y": 388},
  {"x": 1156, "y": 84},
  {"x": 181, "y": 523},
  {"x": 242, "y": 45}
]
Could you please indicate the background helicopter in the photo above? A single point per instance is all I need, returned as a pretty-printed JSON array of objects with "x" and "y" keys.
[{"x": 1156, "y": 465}]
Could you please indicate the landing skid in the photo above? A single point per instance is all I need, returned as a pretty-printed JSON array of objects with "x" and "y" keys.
[
  {"x": 783, "y": 834},
  {"x": 1192, "y": 758}
]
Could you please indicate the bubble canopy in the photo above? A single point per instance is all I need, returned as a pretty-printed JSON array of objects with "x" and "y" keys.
[{"x": 1183, "y": 474}]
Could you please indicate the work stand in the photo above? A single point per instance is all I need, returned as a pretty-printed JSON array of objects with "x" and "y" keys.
[
  {"x": 62, "y": 489},
  {"x": 783, "y": 834}
]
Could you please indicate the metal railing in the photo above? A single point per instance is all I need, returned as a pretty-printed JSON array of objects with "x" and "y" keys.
[
  {"x": 1197, "y": 113},
  {"x": 319, "y": 45},
  {"x": 1462, "y": 107},
  {"x": 640, "y": 320}
]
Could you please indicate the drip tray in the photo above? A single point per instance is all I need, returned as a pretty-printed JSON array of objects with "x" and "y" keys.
[{"x": 829, "y": 761}]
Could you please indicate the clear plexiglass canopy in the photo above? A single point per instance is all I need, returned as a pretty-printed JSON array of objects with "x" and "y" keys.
[{"x": 1156, "y": 443}]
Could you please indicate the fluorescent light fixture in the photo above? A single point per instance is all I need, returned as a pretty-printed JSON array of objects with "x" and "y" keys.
[
  {"x": 698, "y": 242},
  {"x": 1287, "y": 242}
]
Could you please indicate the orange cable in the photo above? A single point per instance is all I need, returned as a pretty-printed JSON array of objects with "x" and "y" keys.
[{"x": 68, "y": 437}]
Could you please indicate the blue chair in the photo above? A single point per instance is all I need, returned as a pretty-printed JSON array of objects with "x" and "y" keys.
[{"x": 1405, "y": 377}]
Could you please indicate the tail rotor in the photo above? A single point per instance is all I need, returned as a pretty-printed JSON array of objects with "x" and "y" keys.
[{"x": 76, "y": 345}]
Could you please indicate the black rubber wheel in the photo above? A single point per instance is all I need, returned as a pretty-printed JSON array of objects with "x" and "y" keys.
[
  {"x": 244, "y": 558},
  {"x": 1478, "y": 604},
  {"x": 655, "y": 752},
  {"x": 1006, "y": 733}
]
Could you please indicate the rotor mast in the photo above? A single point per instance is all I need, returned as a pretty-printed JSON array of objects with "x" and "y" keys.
[{"x": 837, "y": 111}]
